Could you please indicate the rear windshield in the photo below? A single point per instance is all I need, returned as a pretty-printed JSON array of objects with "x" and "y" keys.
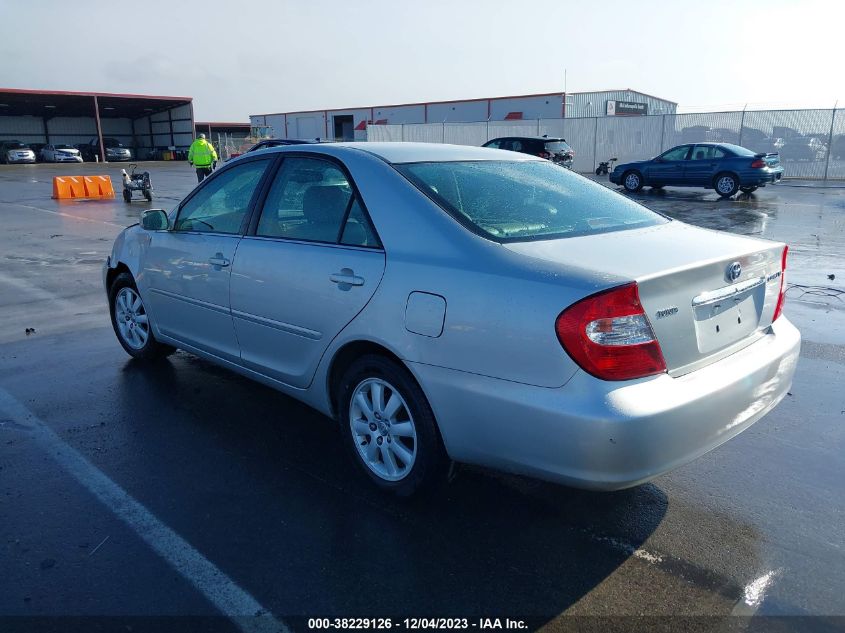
[
  {"x": 557, "y": 146},
  {"x": 737, "y": 150},
  {"x": 512, "y": 201}
]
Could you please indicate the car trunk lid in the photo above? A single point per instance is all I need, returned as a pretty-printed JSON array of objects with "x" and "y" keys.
[{"x": 699, "y": 307}]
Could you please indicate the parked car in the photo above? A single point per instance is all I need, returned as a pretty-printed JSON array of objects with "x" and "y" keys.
[
  {"x": 837, "y": 148},
  {"x": 457, "y": 303},
  {"x": 61, "y": 153},
  {"x": 115, "y": 150},
  {"x": 16, "y": 152},
  {"x": 724, "y": 167},
  {"x": 804, "y": 148},
  {"x": 556, "y": 150},
  {"x": 36, "y": 149}
]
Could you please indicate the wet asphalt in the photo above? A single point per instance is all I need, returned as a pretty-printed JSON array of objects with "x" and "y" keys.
[{"x": 259, "y": 485}]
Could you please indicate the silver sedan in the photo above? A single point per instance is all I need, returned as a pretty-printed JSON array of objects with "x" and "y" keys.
[{"x": 458, "y": 304}]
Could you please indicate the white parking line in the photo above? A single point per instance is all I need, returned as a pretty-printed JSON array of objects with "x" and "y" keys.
[
  {"x": 234, "y": 602},
  {"x": 68, "y": 215}
]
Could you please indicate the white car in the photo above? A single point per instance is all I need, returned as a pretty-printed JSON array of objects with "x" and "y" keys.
[{"x": 60, "y": 153}]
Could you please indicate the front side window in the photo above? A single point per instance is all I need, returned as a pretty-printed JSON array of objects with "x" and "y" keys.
[
  {"x": 220, "y": 205},
  {"x": 677, "y": 153},
  {"x": 312, "y": 200},
  {"x": 494, "y": 144},
  {"x": 523, "y": 200}
]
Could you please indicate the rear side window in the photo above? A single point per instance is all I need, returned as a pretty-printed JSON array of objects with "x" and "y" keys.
[
  {"x": 511, "y": 201},
  {"x": 312, "y": 200}
]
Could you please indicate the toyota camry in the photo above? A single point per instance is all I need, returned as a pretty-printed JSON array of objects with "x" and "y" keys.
[{"x": 456, "y": 304}]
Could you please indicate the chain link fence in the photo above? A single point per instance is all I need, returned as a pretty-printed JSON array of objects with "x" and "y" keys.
[
  {"x": 229, "y": 145},
  {"x": 811, "y": 143}
]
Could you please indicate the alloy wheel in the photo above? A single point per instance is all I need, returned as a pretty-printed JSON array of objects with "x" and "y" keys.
[
  {"x": 131, "y": 318},
  {"x": 383, "y": 429},
  {"x": 725, "y": 184}
]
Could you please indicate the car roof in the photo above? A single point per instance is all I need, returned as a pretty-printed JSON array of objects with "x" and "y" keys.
[{"x": 403, "y": 152}]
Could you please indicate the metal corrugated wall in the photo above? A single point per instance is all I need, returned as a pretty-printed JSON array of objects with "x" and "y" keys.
[{"x": 594, "y": 104}]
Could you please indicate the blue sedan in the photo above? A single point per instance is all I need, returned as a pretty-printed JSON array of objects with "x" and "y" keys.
[{"x": 724, "y": 167}]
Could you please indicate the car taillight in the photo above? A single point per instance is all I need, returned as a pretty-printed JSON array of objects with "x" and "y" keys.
[
  {"x": 609, "y": 336},
  {"x": 758, "y": 164},
  {"x": 544, "y": 154},
  {"x": 782, "y": 293}
]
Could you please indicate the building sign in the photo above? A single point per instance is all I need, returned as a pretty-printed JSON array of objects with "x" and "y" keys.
[{"x": 624, "y": 108}]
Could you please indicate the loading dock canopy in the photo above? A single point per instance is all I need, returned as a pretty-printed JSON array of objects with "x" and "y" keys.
[
  {"x": 15, "y": 102},
  {"x": 147, "y": 123}
]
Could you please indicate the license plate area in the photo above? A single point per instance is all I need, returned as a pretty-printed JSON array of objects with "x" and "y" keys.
[{"x": 722, "y": 320}]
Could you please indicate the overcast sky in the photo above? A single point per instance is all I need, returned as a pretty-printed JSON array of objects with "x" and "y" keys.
[{"x": 257, "y": 56}]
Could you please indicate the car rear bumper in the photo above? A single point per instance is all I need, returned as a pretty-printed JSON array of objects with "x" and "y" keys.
[
  {"x": 604, "y": 435},
  {"x": 762, "y": 177}
]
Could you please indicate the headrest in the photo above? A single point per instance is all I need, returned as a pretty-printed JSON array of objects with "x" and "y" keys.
[{"x": 324, "y": 204}]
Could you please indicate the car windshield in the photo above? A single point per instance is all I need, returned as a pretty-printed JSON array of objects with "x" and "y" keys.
[
  {"x": 110, "y": 143},
  {"x": 16, "y": 146},
  {"x": 62, "y": 146},
  {"x": 511, "y": 201},
  {"x": 737, "y": 150}
]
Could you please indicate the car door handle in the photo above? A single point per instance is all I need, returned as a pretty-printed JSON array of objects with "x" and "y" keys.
[
  {"x": 346, "y": 276},
  {"x": 218, "y": 260}
]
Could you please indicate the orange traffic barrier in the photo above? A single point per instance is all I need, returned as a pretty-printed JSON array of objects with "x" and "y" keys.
[
  {"x": 72, "y": 187},
  {"x": 98, "y": 187},
  {"x": 65, "y": 187}
]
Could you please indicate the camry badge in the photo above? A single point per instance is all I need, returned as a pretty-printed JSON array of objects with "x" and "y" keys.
[
  {"x": 734, "y": 271},
  {"x": 662, "y": 314}
]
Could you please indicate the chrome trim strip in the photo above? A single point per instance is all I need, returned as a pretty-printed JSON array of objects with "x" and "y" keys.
[
  {"x": 202, "y": 304},
  {"x": 278, "y": 325},
  {"x": 714, "y": 296}
]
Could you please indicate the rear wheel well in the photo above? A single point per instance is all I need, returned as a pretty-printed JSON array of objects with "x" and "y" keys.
[
  {"x": 345, "y": 356},
  {"x": 112, "y": 274}
]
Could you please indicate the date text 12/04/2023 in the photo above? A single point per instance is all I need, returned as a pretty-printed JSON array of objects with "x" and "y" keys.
[{"x": 412, "y": 624}]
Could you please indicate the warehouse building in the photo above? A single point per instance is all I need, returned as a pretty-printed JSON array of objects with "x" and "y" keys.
[
  {"x": 351, "y": 123},
  {"x": 151, "y": 126}
]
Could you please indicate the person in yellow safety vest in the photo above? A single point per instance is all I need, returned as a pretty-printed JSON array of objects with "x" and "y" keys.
[{"x": 202, "y": 155}]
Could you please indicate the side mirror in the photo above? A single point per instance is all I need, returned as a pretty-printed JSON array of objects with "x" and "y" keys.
[{"x": 155, "y": 220}]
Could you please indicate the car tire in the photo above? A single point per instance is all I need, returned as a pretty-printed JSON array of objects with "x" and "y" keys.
[
  {"x": 375, "y": 397},
  {"x": 131, "y": 323},
  {"x": 632, "y": 181},
  {"x": 726, "y": 184},
  {"x": 748, "y": 189}
]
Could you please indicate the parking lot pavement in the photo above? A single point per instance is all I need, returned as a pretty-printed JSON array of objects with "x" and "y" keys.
[{"x": 182, "y": 489}]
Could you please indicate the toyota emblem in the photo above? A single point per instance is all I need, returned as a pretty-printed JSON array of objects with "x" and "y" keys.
[{"x": 734, "y": 271}]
